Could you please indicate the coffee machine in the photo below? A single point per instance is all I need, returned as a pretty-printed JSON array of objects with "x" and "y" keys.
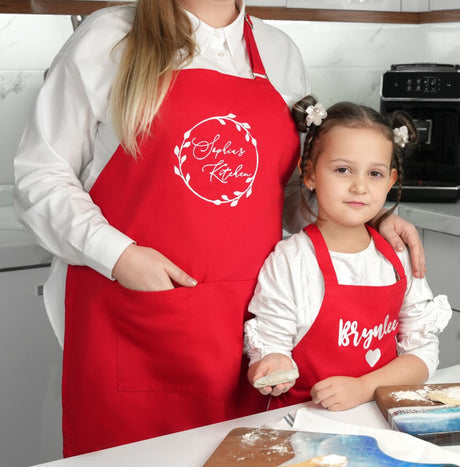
[{"x": 430, "y": 94}]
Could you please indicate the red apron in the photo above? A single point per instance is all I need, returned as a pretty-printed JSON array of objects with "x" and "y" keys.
[
  {"x": 355, "y": 330},
  {"x": 207, "y": 192}
]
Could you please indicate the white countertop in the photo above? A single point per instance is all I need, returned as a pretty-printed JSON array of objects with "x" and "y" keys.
[
  {"x": 440, "y": 217},
  {"x": 193, "y": 447}
]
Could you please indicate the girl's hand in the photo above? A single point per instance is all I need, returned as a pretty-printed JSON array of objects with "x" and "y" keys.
[
  {"x": 341, "y": 393},
  {"x": 145, "y": 269},
  {"x": 270, "y": 363},
  {"x": 399, "y": 232}
]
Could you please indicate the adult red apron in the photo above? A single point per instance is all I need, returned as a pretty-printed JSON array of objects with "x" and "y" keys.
[
  {"x": 355, "y": 330},
  {"x": 207, "y": 192}
]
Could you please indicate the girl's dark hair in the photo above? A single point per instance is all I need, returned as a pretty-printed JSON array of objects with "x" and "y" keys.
[{"x": 349, "y": 115}]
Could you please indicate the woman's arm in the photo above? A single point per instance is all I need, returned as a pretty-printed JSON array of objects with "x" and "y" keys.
[
  {"x": 399, "y": 233},
  {"x": 57, "y": 151}
]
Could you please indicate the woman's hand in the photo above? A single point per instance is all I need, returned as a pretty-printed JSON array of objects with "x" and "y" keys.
[
  {"x": 267, "y": 365},
  {"x": 399, "y": 232},
  {"x": 145, "y": 269}
]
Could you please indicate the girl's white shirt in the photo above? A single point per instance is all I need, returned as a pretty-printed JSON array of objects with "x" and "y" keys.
[
  {"x": 70, "y": 137},
  {"x": 290, "y": 292}
]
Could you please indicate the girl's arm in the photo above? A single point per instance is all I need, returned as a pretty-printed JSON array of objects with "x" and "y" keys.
[
  {"x": 270, "y": 335},
  {"x": 421, "y": 319},
  {"x": 344, "y": 392}
]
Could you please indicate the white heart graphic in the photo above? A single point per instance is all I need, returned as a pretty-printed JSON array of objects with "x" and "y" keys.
[{"x": 372, "y": 357}]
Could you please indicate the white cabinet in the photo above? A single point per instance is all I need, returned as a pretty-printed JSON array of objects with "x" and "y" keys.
[
  {"x": 442, "y": 253},
  {"x": 30, "y": 372},
  {"x": 444, "y": 5},
  {"x": 415, "y": 5},
  {"x": 449, "y": 343},
  {"x": 371, "y": 5}
]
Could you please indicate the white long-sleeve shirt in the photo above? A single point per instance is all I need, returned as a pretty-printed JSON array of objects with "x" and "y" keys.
[
  {"x": 70, "y": 137},
  {"x": 290, "y": 292}
]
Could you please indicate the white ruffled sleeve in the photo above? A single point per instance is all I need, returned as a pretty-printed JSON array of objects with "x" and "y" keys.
[
  {"x": 275, "y": 324},
  {"x": 422, "y": 318}
]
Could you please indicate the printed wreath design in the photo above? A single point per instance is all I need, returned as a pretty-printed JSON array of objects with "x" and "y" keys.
[{"x": 241, "y": 127}]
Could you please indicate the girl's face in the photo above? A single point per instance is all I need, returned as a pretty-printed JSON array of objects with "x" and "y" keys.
[{"x": 352, "y": 175}]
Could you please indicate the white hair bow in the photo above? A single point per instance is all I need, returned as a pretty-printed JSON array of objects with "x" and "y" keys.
[
  {"x": 401, "y": 136},
  {"x": 315, "y": 114}
]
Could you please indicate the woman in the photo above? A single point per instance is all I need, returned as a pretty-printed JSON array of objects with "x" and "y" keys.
[{"x": 171, "y": 183}]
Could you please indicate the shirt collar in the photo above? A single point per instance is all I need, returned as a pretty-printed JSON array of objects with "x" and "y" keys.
[{"x": 233, "y": 33}]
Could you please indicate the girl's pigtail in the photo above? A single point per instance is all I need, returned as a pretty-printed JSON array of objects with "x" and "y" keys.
[
  {"x": 405, "y": 140},
  {"x": 403, "y": 146},
  {"x": 299, "y": 114}
]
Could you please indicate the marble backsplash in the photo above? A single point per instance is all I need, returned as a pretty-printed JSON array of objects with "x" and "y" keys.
[
  {"x": 28, "y": 44},
  {"x": 345, "y": 61}
]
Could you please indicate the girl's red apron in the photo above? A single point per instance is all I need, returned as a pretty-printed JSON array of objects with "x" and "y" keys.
[
  {"x": 206, "y": 192},
  {"x": 355, "y": 330}
]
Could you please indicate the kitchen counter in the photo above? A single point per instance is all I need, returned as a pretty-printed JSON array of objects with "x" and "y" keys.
[
  {"x": 193, "y": 447},
  {"x": 439, "y": 217}
]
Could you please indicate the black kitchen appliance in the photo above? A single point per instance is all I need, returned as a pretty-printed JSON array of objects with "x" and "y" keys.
[{"x": 430, "y": 94}]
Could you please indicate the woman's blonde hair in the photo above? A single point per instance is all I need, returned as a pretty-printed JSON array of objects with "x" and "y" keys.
[{"x": 159, "y": 42}]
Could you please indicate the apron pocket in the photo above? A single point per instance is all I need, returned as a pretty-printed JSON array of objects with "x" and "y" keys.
[{"x": 184, "y": 340}]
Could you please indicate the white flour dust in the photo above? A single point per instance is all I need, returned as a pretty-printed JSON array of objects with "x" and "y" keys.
[
  {"x": 417, "y": 395},
  {"x": 264, "y": 440}
]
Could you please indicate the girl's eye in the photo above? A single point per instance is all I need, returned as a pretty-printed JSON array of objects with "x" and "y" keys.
[
  {"x": 342, "y": 170},
  {"x": 376, "y": 173}
]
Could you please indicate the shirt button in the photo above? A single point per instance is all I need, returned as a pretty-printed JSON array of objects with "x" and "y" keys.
[{"x": 221, "y": 54}]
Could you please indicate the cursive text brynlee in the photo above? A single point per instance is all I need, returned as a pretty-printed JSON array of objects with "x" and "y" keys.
[{"x": 349, "y": 334}]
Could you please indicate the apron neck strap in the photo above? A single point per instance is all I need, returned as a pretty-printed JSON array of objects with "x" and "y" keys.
[
  {"x": 387, "y": 250},
  {"x": 322, "y": 253},
  {"x": 255, "y": 61}
]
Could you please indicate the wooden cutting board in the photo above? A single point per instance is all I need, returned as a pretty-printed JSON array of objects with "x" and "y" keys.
[
  {"x": 401, "y": 404},
  {"x": 260, "y": 447},
  {"x": 254, "y": 447}
]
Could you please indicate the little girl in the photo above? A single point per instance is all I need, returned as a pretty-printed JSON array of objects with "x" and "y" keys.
[{"x": 335, "y": 300}]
